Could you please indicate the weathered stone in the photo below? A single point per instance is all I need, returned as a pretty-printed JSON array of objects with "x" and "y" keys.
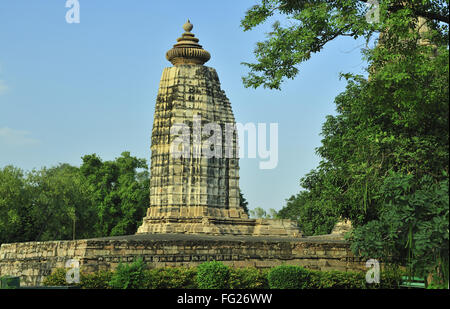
[
  {"x": 195, "y": 194},
  {"x": 173, "y": 250},
  {"x": 341, "y": 228},
  {"x": 194, "y": 214}
]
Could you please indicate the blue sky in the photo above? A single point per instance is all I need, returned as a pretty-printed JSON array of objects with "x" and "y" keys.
[{"x": 67, "y": 90}]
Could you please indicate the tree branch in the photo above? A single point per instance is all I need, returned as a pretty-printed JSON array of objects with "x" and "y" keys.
[
  {"x": 433, "y": 16},
  {"x": 420, "y": 12}
]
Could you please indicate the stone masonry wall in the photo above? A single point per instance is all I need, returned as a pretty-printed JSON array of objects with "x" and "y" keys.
[{"x": 32, "y": 261}]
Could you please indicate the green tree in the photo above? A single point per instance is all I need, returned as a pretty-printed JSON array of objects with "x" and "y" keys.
[
  {"x": 315, "y": 216},
  {"x": 47, "y": 204},
  {"x": 67, "y": 202},
  {"x": 120, "y": 192},
  {"x": 212, "y": 275},
  {"x": 61, "y": 207},
  {"x": 243, "y": 202},
  {"x": 15, "y": 200},
  {"x": 394, "y": 123},
  {"x": 312, "y": 24},
  {"x": 259, "y": 212},
  {"x": 129, "y": 276},
  {"x": 413, "y": 223},
  {"x": 397, "y": 122}
]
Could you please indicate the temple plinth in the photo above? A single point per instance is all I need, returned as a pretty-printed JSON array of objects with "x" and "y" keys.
[{"x": 191, "y": 193}]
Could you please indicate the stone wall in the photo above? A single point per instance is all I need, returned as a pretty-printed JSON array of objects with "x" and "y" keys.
[{"x": 32, "y": 261}]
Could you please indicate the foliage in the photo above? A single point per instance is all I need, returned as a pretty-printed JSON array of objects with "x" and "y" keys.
[
  {"x": 213, "y": 275},
  {"x": 248, "y": 278},
  {"x": 243, "y": 202},
  {"x": 288, "y": 277},
  {"x": 315, "y": 215},
  {"x": 336, "y": 280},
  {"x": 56, "y": 278},
  {"x": 65, "y": 202},
  {"x": 15, "y": 201},
  {"x": 171, "y": 278},
  {"x": 96, "y": 280},
  {"x": 129, "y": 276},
  {"x": 390, "y": 277},
  {"x": 312, "y": 24},
  {"x": 437, "y": 286},
  {"x": 413, "y": 223},
  {"x": 385, "y": 153},
  {"x": 333, "y": 279},
  {"x": 119, "y": 192},
  {"x": 238, "y": 278},
  {"x": 260, "y": 213},
  {"x": 60, "y": 206}
]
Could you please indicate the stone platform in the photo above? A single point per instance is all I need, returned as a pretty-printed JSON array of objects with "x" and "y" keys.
[
  {"x": 32, "y": 261},
  {"x": 218, "y": 226}
]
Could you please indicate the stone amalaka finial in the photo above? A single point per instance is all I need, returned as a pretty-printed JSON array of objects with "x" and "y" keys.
[
  {"x": 188, "y": 26},
  {"x": 187, "y": 50}
]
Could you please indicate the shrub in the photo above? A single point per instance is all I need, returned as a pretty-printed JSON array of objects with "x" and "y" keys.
[
  {"x": 288, "y": 277},
  {"x": 212, "y": 275},
  {"x": 56, "y": 278},
  {"x": 97, "y": 280},
  {"x": 389, "y": 279},
  {"x": 248, "y": 278},
  {"x": 437, "y": 286},
  {"x": 215, "y": 275},
  {"x": 336, "y": 280},
  {"x": 129, "y": 276},
  {"x": 171, "y": 278}
]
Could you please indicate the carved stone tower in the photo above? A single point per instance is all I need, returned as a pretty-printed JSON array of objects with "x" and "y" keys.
[{"x": 196, "y": 194}]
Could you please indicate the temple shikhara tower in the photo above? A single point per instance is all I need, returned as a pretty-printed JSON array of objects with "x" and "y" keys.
[
  {"x": 194, "y": 213},
  {"x": 195, "y": 194}
]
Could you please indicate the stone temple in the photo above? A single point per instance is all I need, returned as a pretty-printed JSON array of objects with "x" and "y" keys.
[
  {"x": 194, "y": 214},
  {"x": 197, "y": 194}
]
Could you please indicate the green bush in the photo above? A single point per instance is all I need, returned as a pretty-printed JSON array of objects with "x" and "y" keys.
[
  {"x": 171, "y": 278},
  {"x": 288, "y": 277},
  {"x": 437, "y": 286},
  {"x": 389, "y": 279},
  {"x": 215, "y": 275},
  {"x": 56, "y": 278},
  {"x": 248, "y": 278},
  {"x": 212, "y": 275},
  {"x": 129, "y": 276},
  {"x": 336, "y": 280},
  {"x": 97, "y": 280}
]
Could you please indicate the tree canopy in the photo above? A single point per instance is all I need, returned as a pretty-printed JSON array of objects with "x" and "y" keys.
[
  {"x": 384, "y": 155},
  {"x": 100, "y": 198},
  {"x": 313, "y": 23},
  {"x": 119, "y": 190}
]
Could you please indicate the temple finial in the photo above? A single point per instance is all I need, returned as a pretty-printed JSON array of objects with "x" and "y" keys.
[
  {"x": 187, "y": 50},
  {"x": 188, "y": 26}
]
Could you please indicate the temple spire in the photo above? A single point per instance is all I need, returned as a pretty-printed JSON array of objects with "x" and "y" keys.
[{"x": 187, "y": 50}]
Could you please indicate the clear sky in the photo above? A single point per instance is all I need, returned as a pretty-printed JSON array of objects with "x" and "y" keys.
[{"x": 67, "y": 90}]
